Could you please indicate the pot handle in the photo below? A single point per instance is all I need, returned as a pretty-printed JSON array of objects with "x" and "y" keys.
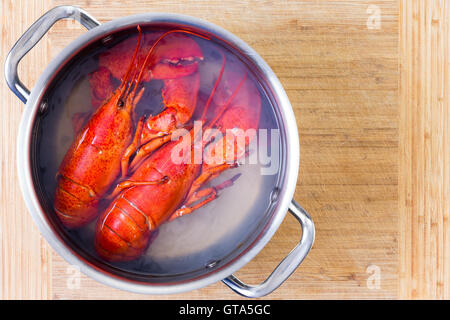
[
  {"x": 287, "y": 266},
  {"x": 32, "y": 36}
]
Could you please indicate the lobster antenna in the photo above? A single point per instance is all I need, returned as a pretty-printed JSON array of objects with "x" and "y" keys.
[
  {"x": 226, "y": 105},
  {"x": 133, "y": 78},
  {"x": 153, "y": 48},
  {"x": 214, "y": 88},
  {"x": 124, "y": 83}
]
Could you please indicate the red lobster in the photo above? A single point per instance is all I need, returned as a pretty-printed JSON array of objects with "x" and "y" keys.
[
  {"x": 141, "y": 205},
  {"x": 175, "y": 61},
  {"x": 102, "y": 148}
]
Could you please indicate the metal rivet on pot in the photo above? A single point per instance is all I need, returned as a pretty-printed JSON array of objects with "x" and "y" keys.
[
  {"x": 43, "y": 107},
  {"x": 274, "y": 195},
  {"x": 107, "y": 39},
  {"x": 211, "y": 264}
]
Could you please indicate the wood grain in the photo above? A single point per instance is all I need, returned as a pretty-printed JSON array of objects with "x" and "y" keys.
[
  {"x": 25, "y": 257},
  {"x": 375, "y": 184},
  {"x": 424, "y": 176},
  {"x": 342, "y": 80}
]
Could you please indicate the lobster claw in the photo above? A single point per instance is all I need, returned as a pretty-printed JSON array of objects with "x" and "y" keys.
[{"x": 176, "y": 56}]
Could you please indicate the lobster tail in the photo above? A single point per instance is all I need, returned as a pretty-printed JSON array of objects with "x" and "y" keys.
[
  {"x": 122, "y": 233},
  {"x": 75, "y": 204}
]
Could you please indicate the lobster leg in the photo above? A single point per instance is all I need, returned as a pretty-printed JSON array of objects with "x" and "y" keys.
[
  {"x": 209, "y": 174},
  {"x": 207, "y": 194},
  {"x": 125, "y": 184},
  {"x": 147, "y": 148},
  {"x": 211, "y": 194},
  {"x": 132, "y": 147}
]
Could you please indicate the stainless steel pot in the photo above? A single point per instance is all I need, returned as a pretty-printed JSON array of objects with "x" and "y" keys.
[{"x": 35, "y": 105}]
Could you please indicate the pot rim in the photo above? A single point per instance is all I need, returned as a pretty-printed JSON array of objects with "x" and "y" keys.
[{"x": 38, "y": 214}]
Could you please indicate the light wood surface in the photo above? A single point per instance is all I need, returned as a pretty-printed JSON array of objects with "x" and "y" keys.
[
  {"x": 424, "y": 154},
  {"x": 371, "y": 102}
]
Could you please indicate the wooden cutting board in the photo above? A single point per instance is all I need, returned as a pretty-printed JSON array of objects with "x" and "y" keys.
[{"x": 369, "y": 84}]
